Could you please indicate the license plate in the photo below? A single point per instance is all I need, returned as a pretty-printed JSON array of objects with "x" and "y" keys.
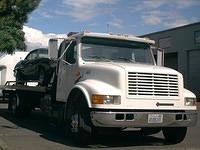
[{"x": 155, "y": 118}]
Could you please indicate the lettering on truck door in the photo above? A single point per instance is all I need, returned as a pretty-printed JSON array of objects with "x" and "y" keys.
[{"x": 67, "y": 70}]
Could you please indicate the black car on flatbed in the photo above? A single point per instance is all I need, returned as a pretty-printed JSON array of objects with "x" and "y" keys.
[{"x": 36, "y": 66}]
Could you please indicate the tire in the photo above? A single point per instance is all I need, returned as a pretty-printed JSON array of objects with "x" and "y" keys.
[
  {"x": 78, "y": 113},
  {"x": 17, "y": 107},
  {"x": 14, "y": 105},
  {"x": 174, "y": 134}
]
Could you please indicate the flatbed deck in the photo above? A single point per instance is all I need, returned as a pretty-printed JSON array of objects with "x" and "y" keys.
[{"x": 29, "y": 86}]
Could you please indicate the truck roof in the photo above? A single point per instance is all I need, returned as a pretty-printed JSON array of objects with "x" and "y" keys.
[{"x": 112, "y": 36}]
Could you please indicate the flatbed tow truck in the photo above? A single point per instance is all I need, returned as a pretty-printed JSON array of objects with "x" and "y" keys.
[{"x": 109, "y": 81}]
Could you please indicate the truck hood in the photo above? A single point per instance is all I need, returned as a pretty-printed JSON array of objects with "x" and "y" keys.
[
  {"x": 131, "y": 67},
  {"x": 113, "y": 73},
  {"x": 146, "y": 68}
]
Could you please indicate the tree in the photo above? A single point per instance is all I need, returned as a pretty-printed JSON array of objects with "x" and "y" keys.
[{"x": 13, "y": 14}]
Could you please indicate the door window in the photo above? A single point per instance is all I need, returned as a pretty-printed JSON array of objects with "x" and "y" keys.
[
  {"x": 70, "y": 55},
  {"x": 62, "y": 47}
]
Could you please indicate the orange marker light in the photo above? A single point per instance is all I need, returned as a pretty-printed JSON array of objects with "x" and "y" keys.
[{"x": 97, "y": 99}]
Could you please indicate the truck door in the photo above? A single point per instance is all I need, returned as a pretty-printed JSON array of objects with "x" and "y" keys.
[{"x": 66, "y": 70}]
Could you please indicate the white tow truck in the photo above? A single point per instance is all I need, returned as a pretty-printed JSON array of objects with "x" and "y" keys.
[{"x": 110, "y": 81}]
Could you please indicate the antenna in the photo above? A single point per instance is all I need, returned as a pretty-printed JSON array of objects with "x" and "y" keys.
[{"x": 108, "y": 28}]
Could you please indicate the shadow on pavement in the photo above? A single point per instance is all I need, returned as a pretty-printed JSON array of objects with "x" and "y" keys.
[{"x": 40, "y": 123}]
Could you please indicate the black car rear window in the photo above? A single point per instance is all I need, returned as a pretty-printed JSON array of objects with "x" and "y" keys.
[{"x": 43, "y": 53}]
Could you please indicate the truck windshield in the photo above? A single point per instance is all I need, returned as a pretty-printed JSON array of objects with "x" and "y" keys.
[{"x": 102, "y": 49}]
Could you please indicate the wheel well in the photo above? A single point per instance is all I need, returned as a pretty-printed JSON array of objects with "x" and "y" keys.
[{"x": 75, "y": 96}]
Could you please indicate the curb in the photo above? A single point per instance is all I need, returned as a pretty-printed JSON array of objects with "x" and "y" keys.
[{"x": 3, "y": 145}]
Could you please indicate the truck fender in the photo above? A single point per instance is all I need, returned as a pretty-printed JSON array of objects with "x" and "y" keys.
[
  {"x": 89, "y": 87},
  {"x": 84, "y": 91},
  {"x": 187, "y": 93}
]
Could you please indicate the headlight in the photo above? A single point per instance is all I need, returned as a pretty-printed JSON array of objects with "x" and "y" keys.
[
  {"x": 106, "y": 99},
  {"x": 190, "y": 101}
]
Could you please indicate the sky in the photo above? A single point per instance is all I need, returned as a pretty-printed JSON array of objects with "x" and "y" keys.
[{"x": 55, "y": 18}]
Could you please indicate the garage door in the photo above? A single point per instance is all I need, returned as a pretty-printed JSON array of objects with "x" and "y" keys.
[{"x": 194, "y": 71}]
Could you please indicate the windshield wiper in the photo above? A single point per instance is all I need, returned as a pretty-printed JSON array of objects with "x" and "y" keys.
[
  {"x": 99, "y": 58},
  {"x": 125, "y": 59}
]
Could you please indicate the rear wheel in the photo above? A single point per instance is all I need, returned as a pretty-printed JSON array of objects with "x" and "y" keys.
[
  {"x": 174, "y": 134},
  {"x": 14, "y": 105},
  {"x": 17, "y": 106}
]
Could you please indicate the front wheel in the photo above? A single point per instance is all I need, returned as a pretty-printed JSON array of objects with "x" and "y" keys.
[
  {"x": 78, "y": 122},
  {"x": 174, "y": 134}
]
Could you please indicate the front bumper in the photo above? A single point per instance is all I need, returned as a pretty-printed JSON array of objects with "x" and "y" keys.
[{"x": 143, "y": 119}]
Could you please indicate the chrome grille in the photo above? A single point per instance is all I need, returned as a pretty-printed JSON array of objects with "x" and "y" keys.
[{"x": 152, "y": 84}]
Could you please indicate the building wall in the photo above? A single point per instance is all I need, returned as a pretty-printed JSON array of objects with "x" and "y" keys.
[
  {"x": 182, "y": 52},
  {"x": 7, "y": 64}
]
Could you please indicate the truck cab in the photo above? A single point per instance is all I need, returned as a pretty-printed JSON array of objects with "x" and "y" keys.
[{"x": 113, "y": 81}]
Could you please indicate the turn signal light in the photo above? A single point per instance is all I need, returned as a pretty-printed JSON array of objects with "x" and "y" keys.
[{"x": 106, "y": 99}]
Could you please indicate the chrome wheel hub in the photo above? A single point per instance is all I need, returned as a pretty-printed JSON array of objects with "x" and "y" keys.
[{"x": 74, "y": 123}]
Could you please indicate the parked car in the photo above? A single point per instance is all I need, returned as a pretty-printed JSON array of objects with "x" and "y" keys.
[{"x": 36, "y": 66}]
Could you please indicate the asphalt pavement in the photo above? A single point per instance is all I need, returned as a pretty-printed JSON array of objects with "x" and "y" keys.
[
  {"x": 3, "y": 145},
  {"x": 36, "y": 132}
]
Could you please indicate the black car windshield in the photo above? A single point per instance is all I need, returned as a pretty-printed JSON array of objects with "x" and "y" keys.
[{"x": 101, "y": 49}]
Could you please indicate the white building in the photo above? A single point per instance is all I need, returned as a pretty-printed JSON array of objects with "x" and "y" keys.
[{"x": 7, "y": 64}]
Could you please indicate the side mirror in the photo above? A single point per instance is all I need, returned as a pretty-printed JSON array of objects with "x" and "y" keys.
[
  {"x": 53, "y": 48},
  {"x": 160, "y": 57}
]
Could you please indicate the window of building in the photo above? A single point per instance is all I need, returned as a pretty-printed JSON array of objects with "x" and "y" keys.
[
  {"x": 165, "y": 42},
  {"x": 197, "y": 37}
]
